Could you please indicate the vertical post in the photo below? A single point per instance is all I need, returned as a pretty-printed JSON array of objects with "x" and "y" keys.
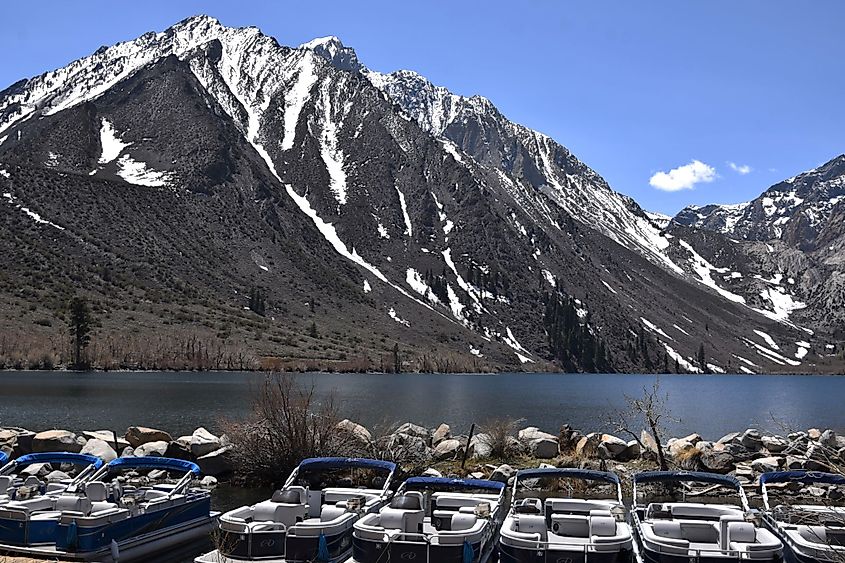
[
  {"x": 114, "y": 438},
  {"x": 469, "y": 441}
]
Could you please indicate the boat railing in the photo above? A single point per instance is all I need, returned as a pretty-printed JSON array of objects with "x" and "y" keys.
[{"x": 540, "y": 544}]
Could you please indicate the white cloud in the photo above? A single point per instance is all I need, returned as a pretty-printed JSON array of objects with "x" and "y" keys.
[
  {"x": 683, "y": 177},
  {"x": 741, "y": 169}
]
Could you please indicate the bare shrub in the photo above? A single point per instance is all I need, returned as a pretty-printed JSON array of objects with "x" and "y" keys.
[
  {"x": 286, "y": 425},
  {"x": 498, "y": 434}
]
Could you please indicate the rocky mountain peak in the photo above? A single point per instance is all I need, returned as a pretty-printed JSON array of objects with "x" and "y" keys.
[{"x": 333, "y": 50}]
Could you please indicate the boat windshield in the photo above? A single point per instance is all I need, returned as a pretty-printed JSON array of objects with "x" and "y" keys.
[
  {"x": 687, "y": 491},
  {"x": 556, "y": 486},
  {"x": 320, "y": 478}
]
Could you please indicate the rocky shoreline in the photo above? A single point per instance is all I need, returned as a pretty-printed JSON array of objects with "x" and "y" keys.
[{"x": 496, "y": 455}]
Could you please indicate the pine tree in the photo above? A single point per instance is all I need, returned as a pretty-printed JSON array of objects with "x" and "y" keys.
[
  {"x": 312, "y": 330},
  {"x": 397, "y": 359},
  {"x": 79, "y": 322},
  {"x": 701, "y": 358}
]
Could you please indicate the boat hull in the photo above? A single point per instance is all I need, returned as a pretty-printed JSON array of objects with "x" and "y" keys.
[
  {"x": 510, "y": 554},
  {"x": 27, "y": 532},
  {"x": 366, "y": 551},
  {"x": 649, "y": 556},
  {"x": 279, "y": 546}
]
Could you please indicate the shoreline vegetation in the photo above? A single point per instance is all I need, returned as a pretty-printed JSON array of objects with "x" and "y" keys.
[{"x": 287, "y": 423}]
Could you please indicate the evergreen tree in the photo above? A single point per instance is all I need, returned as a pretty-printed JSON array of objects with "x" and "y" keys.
[
  {"x": 312, "y": 330},
  {"x": 397, "y": 359},
  {"x": 79, "y": 322},
  {"x": 701, "y": 358}
]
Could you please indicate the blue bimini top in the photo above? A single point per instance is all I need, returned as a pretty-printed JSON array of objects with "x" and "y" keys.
[
  {"x": 568, "y": 473},
  {"x": 681, "y": 476},
  {"x": 59, "y": 457},
  {"x": 151, "y": 462},
  {"x": 346, "y": 462},
  {"x": 448, "y": 484},
  {"x": 802, "y": 477}
]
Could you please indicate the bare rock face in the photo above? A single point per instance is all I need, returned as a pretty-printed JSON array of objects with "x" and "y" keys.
[
  {"x": 56, "y": 441},
  {"x": 138, "y": 435}
]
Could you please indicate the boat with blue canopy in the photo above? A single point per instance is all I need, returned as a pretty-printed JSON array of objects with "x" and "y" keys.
[
  {"x": 16, "y": 484},
  {"x": 685, "y": 516},
  {"x": 311, "y": 518},
  {"x": 433, "y": 520},
  {"x": 566, "y": 514},
  {"x": 150, "y": 510},
  {"x": 806, "y": 510}
]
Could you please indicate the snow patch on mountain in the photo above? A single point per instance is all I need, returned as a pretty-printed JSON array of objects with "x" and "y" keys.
[
  {"x": 140, "y": 174},
  {"x": 408, "y": 229},
  {"x": 12, "y": 200},
  {"x": 393, "y": 315},
  {"x": 110, "y": 142},
  {"x": 330, "y": 148}
]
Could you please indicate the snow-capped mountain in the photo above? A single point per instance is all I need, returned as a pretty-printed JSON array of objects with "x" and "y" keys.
[{"x": 175, "y": 174}]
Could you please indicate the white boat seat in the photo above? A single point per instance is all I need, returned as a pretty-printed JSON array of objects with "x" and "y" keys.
[
  {"x": 573, "y": 506},
  {"x": 5, "y": 483},
  {"x": 815, "y": 534},
  {"x": 531, "y": 524},
  {"x": 571, "y": 525},
  {"x": 701, "y": 511},
  {"x": 528, "y": 506},
  {"x": 763, "y": 540},
  {"x": 331, "y": 512},
  {"x": 153, "y": 494},
  {"x": 291, "y": 495},
  {"x": 446, "y": 501},
  {"x": 411, "y": 500},
  {"x": 602, "y": 526},
  {"x": 463, "y": 521},
  {"x": 32, "y": 481},
  {"x": 464, "y": 527},
  {"x": 73, "y": 503},
  {"x": 405, "y": 521},
  {"x": 96, "y": 491},
  {"x": 279, "y": 512},
  {"x": 667, "y": 535}
]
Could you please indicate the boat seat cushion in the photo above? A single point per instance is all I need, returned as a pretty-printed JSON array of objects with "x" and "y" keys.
[
  {"x": 73, "y": 503},
  {"x": 291, "y": 495},
  {"x": 667, "y": 529},
  {"x": 407, "y": 521},
  {"x": 743, "y": 532},
  {"x": 572, "y": 525},
  {"x": 815, "y": 534},
  {"x": 570, "y": 506},
  {"x": 452, "y": 502},
  {"x": 281, "y": 513},
  {"x": 700, "y": 532},
  {"x": 528, "y": 506},
  {"x": 412, "y": 500},
  {"x": 603, "y": 526},
  {"x": 331, "y": 512},
  {"x": 531, "y": 524},
  {"x": 96, "y": 491},
  {"x": 5, "y": 483}
]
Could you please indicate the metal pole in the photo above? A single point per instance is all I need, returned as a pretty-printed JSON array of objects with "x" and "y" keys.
[{"x": 469, "y": 441}]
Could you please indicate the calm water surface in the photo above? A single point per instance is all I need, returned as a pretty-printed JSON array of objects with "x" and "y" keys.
[{"x": 180, "y": 402}]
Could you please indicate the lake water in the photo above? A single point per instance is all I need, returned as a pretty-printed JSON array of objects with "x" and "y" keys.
[{"x": 180, "y": 402}]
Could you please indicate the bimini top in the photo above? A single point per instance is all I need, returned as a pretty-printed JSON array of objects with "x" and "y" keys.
[
  {"x": 151, "y": 462},
  {"x": 680, "y": 476},
  {"x": 58, "y": 457},
  {"x": 802, "y": 477},
  {"x": 448, "y": 484},
  {"x": 568, "y": 473},
  {"x": 344, "y": 462}
]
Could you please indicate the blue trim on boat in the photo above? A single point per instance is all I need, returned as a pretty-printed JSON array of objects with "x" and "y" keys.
[
  {"x": 681, "y": 476},
  {"x": 59, "y": 457},
  {"x": 568, "y": 473},
  {"x": 802, "y": 477},
  {"x": 446, "y": 483},
  {"x": 151, "y": 462},
  {"x": 344, "y": 462},
  {"x": 4, "y": 457}
]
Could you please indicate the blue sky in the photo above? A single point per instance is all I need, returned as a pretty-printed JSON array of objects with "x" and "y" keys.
[{"x": 632, "y": 88}]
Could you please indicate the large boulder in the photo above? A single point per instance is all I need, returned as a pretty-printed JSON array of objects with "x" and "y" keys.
[
  {"x": 531, "y": 433},
  {"x": 831, "y": 441},
  {"x": 413, "y": 446},
  {"x": 481, "y": 445},
  {"x": 588, "y": 446},
  {"x": 99, "y": 448},
  {"x": 108, "y": 437},
  {"x": 503, "y": 473},
  {"x": 752, "y": 439},
  {"x": 180, "y": 449},
  {"x": 158, "y": 448},
  {"x": 613, "y": 446},
  {"x": 56, "y": 441},
  {"x": 203, "y": 442},
  {"x": 679, "y": 448},
  {"x": 774, "y": 444},
  {"x": 217, "y": 462},
  {"x": 138, "y": 435},
  {"x": 57, "y": 476},
  {"x": 814, "y": 433},
  {"x": 649, "y": 443},
  {"x": 717, "y": 461},
  {"x": 544, "y": 448},
  {"x": 766, "y": 464},
  {"x": 447, "y": 449},
  {"x": 692, "y": 438},
  {"x": 799, "y": 462},
  {"x": 356, "y": 431},
  {"x": 442, "y": 432},
  {"x": 414, "y": 430},
  {"x": 730, "y": 438}
]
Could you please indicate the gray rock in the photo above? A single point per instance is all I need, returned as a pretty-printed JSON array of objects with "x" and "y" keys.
[
  {"x": 217, "y": 462},
  {"x": 57, "y": 477},
  {"x": 158, "y": 448},
  {"x": 99, "y": 448},
  {"x": 588, "y": 446},
  {"x": 414, "y": 430},
  {"x": 179, "y": 449},
  {"x": 357, "y": 431},
  {"x": 831, "y": 441},
  {"x": 814, "y": 433},
  {"x": 717, "y": 461},
  {"x": 692, "y": 438},
  {"x": 766, "y": 464},
  {"x": 503, "y": 473},
  {"x": 731, "y": 438},
  {"x": 613, "y": 445},
  {"x": 481, "y": 446},
  {"x": 157, "y": 474},
  {"x": 800, "y": 462},
  {"x": 108, "y": 437},
  {"x": 139, "y": 435},
  {"x": 203, "y": 442},
  {"x": 544, "y": 448},
  {"x": 632, "y": 451},
  {"x": 752, "y": 439},
  {"x": 55, "y": 441},
  {"x": 443, "y": 432},
  {"x": 128, "y": 451},
  {"x": 531, "y": 433},
  {"x": 774, "y": 444},
  {"x": 648, "y": 441},
  {"x": 38, "y": 469},
  {"x": 447, "y": 449},
  {"x": 208, "y": 482},
  {"x": 431, "y": 472},
  {"x": 679, "y": 448}
]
